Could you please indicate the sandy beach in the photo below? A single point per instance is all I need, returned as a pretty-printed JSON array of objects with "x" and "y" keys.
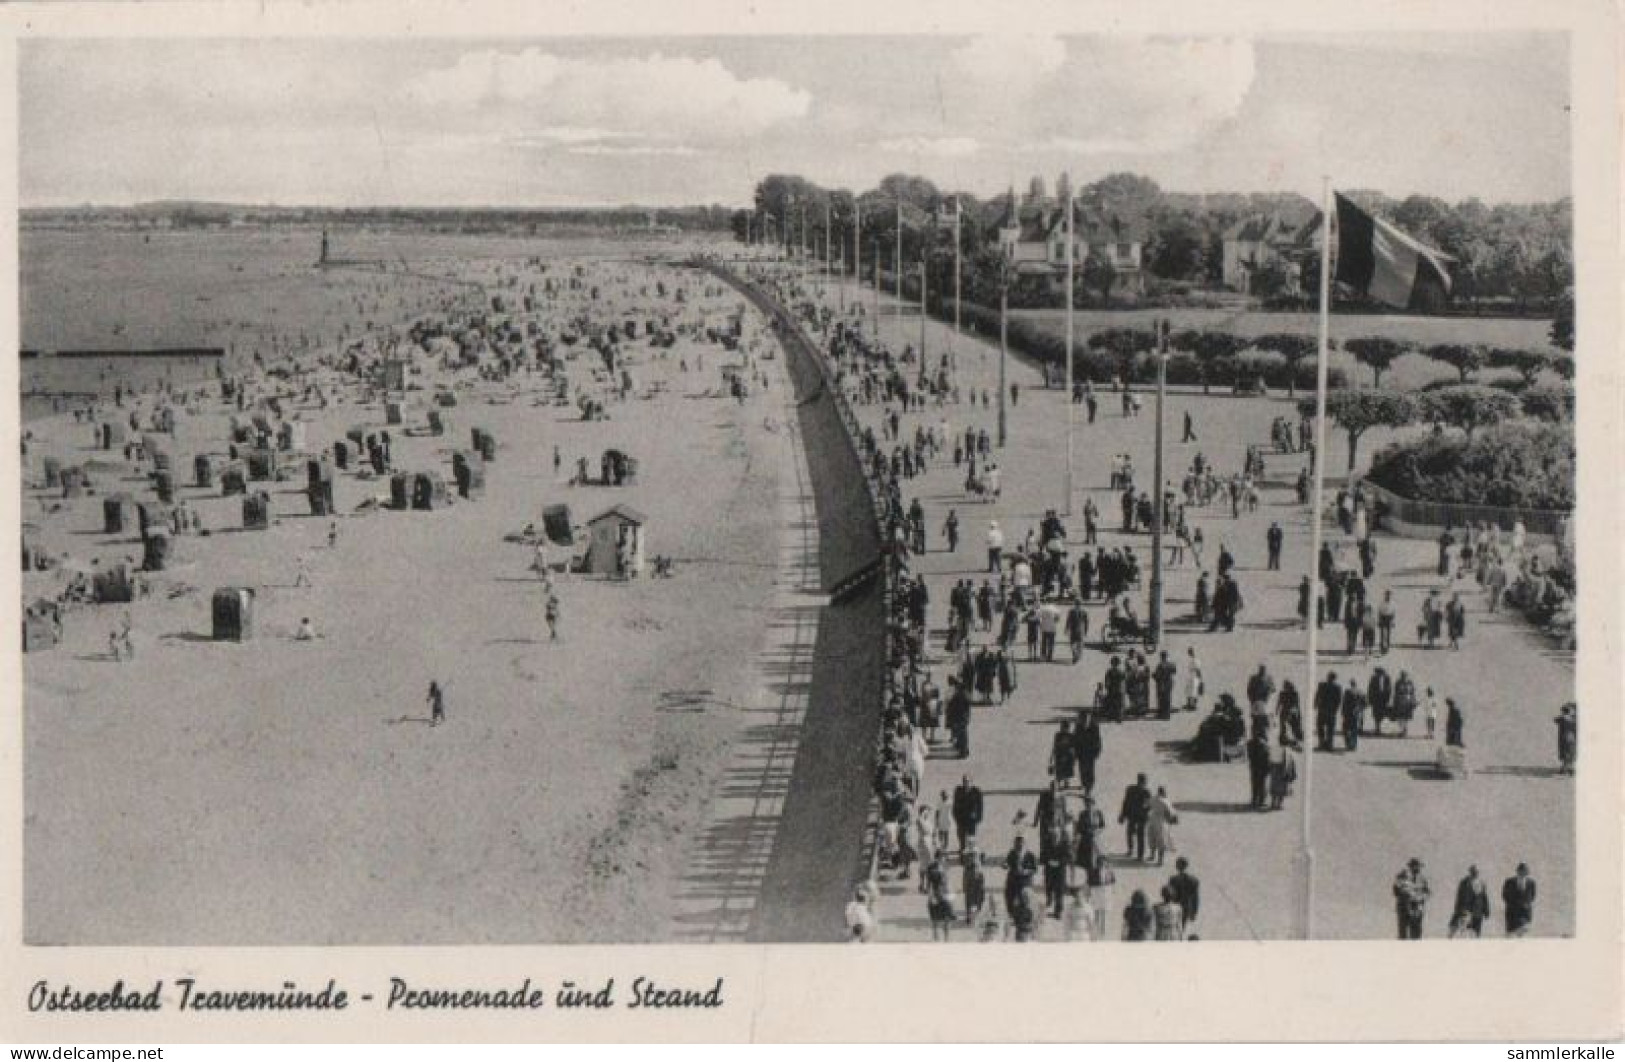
[{"x": 292, "y": 792}]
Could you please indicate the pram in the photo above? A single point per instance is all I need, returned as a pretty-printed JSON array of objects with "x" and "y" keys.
[{"x": 1125, "y": 630}]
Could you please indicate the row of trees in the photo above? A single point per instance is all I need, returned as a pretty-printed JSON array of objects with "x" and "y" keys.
[
  {"x": 1468, "y": 407},
  {"x": 1515, "y": 254}
]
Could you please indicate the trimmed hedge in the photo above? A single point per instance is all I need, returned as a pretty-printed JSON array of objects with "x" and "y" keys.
[
  {"x": 1519, "y": 465},
  {"x": 1184, "y": 370}
]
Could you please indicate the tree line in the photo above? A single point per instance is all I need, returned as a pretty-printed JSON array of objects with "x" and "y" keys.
[{"x": 1508, "y": 257}]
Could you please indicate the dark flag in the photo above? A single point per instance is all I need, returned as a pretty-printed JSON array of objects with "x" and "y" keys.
[{"x": 1386, "y": 265}]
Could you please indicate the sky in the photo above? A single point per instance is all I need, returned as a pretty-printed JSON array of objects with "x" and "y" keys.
[{"x": 684, "y": 120}]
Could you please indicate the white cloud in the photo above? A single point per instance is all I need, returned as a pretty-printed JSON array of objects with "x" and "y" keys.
[
  {"x": 942, "y": 147},
  {"x": 1096, "y": 94},
  {"x": 654, "y": 95},
  {"x": 1012, "y": 65}
]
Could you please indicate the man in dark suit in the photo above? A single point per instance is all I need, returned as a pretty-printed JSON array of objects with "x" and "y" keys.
[
  {"x": 967, "y": 809},
  {"x": 1187, "y": 890},
  {"x": 1273, "y": 539},
  {"x": 1258, "y": 769},
  {"x": 1518, "y": 898},
  {"x": 1328, "y": 699},
  {"x": 1133, "y": 815},
  {"x": 1353, "y": 709},
  {"x": 1089, "y": 747}
]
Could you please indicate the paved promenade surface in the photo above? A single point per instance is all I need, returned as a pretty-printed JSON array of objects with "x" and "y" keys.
[{"x": 1372, "y": 809}]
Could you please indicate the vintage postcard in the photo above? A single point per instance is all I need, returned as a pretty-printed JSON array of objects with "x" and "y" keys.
[{"x": 765, "y": 522}]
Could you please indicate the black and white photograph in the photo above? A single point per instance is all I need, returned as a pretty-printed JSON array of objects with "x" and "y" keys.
[{"x": 1023, "y": 486}]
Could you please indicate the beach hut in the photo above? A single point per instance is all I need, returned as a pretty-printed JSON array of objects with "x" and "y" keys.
[
  {"x": 233, "y": 479},
  {"x": 40, "y": 632},
  {"x": 400, "y": 490},
  {"x": 428, "y": 490},
  {"x": 618, "y": 468},
  {"x": 256, "y": 511},
  {"x": 379, "y": 458},
  {"x": 321, "y": 498},
  {"x": 437, "y": 422},
  {"x": 156, "y": 548},
  {"x": 164, "y": 484},
  {"x": 117, "y": 509},
  {"x": 615, "y": 541},
  {"x": 113, "y": 435},
  {"x": 318, "y": 471},
  {"x": 75, "y": 481},
  {"x": 468, "y": 469},
  {"x": 203, "y": 470},
  {"x": 154, "y": 515},
  {"x": 53, "y": 471},
  {"x": 112, "y": 586},
  {"x": 393, "y": 413},
  {"x": 291, "y": 436},
  {"x": 262, "y": 464},
  {"x": 394, "y": 376},
  {"x": 233, "y": 609},
  {"x": 341, "y": 455},
  {"x": 485, "y": 443}
]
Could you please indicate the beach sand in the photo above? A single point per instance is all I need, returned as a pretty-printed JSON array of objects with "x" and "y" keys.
[{"x": 286, "y": 792}]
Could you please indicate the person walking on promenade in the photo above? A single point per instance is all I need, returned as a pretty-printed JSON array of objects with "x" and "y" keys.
[
  {"x": 951, "y": 530},
  {"x": 1411, "y": 892},
  {"x": 1190, "y": 429},
  {"x": 1283, "y": 772},
  {"x": 1353, "y": 709},
  {"x": 1518, "y": 901},
  {"x": 995, "y": 547},
  {"x": 957, "y": 716},
  {"x": 1160, "y": 821},
  {"x": 1273, "y": 539},
  {"x": 1568, "y": 739},
  {"x": 1163, "y": 679},
  {"x": 1187, "y": 892},
  {"x": 1138, "y": 919},
  {"x": 551, "y": 614},
  {"x": 1063, "y": 756},
  {"x": 1472, "y": 906},
  {"x": 1168, "y": 918},
  {"x": 1454, "y": 724},
  {"x": 1077, "y": 627},
  {"x": 1455, "y": 617},
  {"x": 1258, "y": 770},
  {"x": 1328, "y": 701},
  {"x": 939, "y": 901},
  {"x": 967, "y": 812},
  {"x": 1386, "y": 615},
  {"x": 1089, "y": 746},
  {"x": 1134, "y": 816},
  {"x": 1193, "y": 679}
]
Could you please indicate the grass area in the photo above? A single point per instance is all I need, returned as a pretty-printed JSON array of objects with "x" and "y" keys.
[{"x": 1410, "y": 371}]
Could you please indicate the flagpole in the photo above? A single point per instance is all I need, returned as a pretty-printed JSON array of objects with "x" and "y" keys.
[
  {"x": 953, "y": 340},
  {"x": 897, "y": 271},
  {"x": 924, "y": 365},
  {"x": 1070, "y": 256},
  {"x": 1306, "y": 851}
]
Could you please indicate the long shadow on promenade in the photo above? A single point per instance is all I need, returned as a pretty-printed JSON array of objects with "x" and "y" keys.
[{"x": 819, "y": 847}]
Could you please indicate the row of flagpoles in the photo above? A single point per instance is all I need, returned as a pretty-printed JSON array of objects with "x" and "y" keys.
[{"x": 1357, "y": 249}]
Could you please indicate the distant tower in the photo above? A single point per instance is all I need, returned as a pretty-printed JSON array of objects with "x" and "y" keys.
[{"x": 322, "y": 261}]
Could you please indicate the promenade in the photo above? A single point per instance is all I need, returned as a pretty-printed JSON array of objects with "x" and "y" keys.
[{"x": 1373, "y": 809}]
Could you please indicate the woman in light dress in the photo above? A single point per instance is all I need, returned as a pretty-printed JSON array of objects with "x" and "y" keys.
[
  {"x": 1193, "y": 679},
  {"x": 1160, "y": 823}
]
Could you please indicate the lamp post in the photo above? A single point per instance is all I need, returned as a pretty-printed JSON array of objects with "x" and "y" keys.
[
  {"x": 1158, "y": 513},
  {"x": 1070, "y": 269},
  {"x": 1004, "y": 342}
]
